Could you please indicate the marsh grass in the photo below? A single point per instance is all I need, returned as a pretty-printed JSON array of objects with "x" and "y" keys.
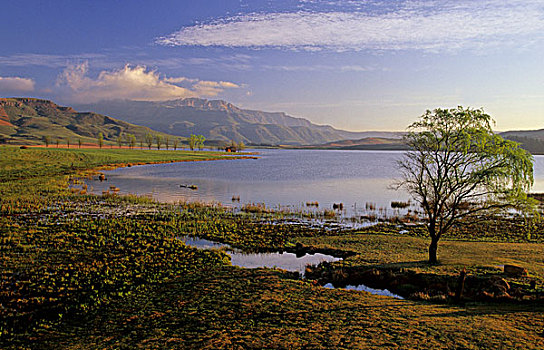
[{"x": 85, "y": 271}]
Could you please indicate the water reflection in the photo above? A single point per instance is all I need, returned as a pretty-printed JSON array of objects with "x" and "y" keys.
[
  {"x": 281, "y": 179},
  {"x": 285, "y": 261},
  {"x": 364, "y": 288}
]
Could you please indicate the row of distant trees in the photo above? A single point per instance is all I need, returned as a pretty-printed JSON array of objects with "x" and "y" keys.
[
  {"x": 148, "y": 140},
  {"x": 47, "y": 140}
]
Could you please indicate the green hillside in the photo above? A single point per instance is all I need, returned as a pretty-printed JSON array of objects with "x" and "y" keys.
[{"x": 30, "y": 121}]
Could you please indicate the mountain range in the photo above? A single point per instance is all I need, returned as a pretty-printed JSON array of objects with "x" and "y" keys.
[
  {"x": 220, "y": 120},
  {"x": 30, "y": 120}
]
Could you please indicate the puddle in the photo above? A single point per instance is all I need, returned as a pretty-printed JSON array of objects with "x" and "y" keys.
[
  {"x": 285, "y": 261},
  {"x": 203, "y": 243},
  {"x": 364, "y": 288}
]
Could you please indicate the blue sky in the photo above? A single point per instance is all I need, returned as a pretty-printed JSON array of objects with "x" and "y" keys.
[{"x": 357, "y": 65}]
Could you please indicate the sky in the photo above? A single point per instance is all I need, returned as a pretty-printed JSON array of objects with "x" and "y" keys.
[{"x": 355, "y": 65}]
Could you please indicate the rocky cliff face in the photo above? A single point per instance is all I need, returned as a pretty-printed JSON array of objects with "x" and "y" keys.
[{"x": 221, "y": 120}]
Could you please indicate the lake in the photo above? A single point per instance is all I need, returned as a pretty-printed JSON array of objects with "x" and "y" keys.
[{"x": 285, "y": 179}]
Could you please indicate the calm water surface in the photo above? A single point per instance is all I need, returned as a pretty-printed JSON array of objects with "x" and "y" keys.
[
  {"x": 279, "y": 178},
  {"x": 285, "y": 261}
]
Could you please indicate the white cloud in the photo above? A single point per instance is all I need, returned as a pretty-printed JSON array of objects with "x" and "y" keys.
[
  {"x": 213, "y": 88},
  {"x": 133, "y": 82},
  {"x": 420, "y": 25},
  {"x": 16, "y": 84}
]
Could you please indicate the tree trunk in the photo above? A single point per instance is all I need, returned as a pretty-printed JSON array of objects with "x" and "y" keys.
[{"x": 433, "y": 248}]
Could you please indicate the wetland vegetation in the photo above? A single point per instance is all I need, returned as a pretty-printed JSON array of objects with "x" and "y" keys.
[{"x": 83, "y": 271}]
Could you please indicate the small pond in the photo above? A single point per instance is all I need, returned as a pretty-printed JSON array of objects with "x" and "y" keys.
[{"x": 281, "y": 260}]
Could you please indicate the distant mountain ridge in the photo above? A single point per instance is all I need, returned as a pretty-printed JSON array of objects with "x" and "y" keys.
[
  {"x": 220, "y": 120},
  {"x": 367, "y": 143},
  {"x": 531, "y": 140},
  {"x": 533, "y": 134},
  {"x": 29, "y": 120}
]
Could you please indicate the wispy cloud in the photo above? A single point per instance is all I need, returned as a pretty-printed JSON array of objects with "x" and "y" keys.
[
  {"x": 110, "y": 60},
  {"x": 224, "y": 62},
  {"x": 418, "y": 25},
  {"x": 16, "y": 84},
  {"x": 43, "y": 60},
  {"x": 321, "y": 68},
  {"x": 133, "y": 82}
]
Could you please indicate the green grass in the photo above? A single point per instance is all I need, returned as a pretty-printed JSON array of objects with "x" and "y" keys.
[
  {"x": 108, "y": 272},
  {"x": 16, "y": 163},
  {"x": 259, "y": 309},
  {"x": 388, "y": 250}
]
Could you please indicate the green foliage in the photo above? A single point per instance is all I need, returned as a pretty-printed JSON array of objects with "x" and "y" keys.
[
  {"x": 158, "y": 140},
  {"x": 200, "y": 142},
  {"x": 192, "y": 142},
  {"x": 196, "y": 141},
  {"x": 100, "y": 140},
  {"x": 458, "y": 167},
  {"x": 149, "y": 140}
]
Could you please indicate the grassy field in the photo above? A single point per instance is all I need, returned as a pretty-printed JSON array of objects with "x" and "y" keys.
[
  {"x": 80, "y": 271},
  {"x": 374, "y": 249}
]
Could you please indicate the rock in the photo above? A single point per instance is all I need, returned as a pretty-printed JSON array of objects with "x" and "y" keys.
[
  {"x": 338, "y": 206},
  {"x": 515, "y": 271}
]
